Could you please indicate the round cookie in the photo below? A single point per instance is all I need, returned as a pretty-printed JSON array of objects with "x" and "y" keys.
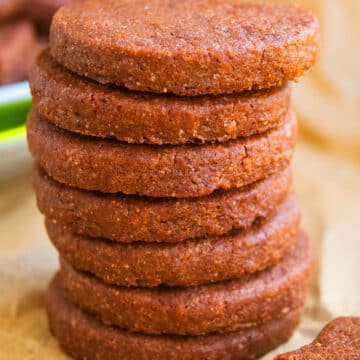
[
  {"x": 190, "y": 47},
  {"x": 214, "y": 258},
  {"x": 83, "y": 337},
  {"x": 85, "y": 107},
  {"x": 158, "y": 171},
  {"x": 125, "y": 218},
  {"x": 220, "y": 307}
]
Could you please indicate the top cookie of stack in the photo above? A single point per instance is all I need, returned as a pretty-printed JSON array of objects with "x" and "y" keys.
[{"x": 186, "y": 48}]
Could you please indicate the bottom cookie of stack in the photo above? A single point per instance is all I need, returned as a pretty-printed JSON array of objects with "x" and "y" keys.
[{"x": 84, "y": 337}]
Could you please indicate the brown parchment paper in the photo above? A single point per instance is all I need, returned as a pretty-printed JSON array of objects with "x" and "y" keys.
[{"x": 327, "y": 178}]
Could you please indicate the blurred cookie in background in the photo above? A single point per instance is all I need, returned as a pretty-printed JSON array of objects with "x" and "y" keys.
[
  {"x": 18, "y": 47},
  {"x": 24, "y": 26},
  {"x": 41, "y": 11},
  {"x": 10, "y": 8}
]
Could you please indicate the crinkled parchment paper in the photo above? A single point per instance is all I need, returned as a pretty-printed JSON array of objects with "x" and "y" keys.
[{"x": 327, "y": 178}]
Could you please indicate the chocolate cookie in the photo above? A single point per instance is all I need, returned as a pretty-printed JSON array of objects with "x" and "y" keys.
[
  {"x": 221, "y": 307},
  {"x": 190, "y": 47},
  {"x": 214, "y": 258},
  {"x": 158, "y": 171},
  {"x": 339, "y": 340},
  {"x": 84, "y": 337},
  {"x": 85, "y": 107},
  {"x": 17, "y": 50},
  {"x": 127, "y": 218}
]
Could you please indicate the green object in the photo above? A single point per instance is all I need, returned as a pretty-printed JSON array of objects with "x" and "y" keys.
[{"x": 13, "y": 117}]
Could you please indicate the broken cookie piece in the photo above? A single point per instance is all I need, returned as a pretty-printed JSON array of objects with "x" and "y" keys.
[{"x": 339, "y": 340}]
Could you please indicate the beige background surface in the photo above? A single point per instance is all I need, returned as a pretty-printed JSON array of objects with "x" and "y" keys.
[{"x": 327, "y": 173}]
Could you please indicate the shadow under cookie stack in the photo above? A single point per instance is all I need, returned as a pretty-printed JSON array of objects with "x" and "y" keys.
[{"x": 165, "y": 181}]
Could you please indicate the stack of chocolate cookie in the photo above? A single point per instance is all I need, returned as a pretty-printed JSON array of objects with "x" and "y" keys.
[{"x": 163, "y": 135}]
